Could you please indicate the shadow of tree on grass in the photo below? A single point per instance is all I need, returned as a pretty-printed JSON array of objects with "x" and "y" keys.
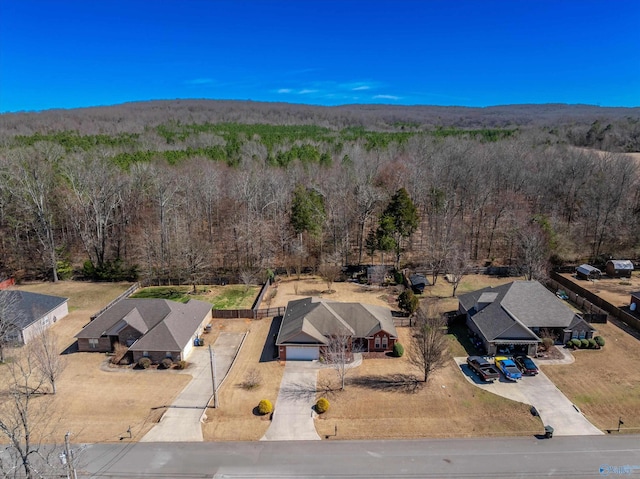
[{"x": 403, "y": 383}]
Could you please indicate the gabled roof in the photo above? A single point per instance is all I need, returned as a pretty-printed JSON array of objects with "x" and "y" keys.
[
  {"x": 24, "y": 308},
  {"x": 636, "y": 294},
  {"x": 587, "y": 269},
  {"x": 317, "y": 319},
  {"x": 515, "y": 308},
  {"x": 166, "y": 325}
]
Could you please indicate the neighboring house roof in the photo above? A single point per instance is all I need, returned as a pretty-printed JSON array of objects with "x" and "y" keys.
[
  {"x": 510, "y": 310},
  {"x": 636, "y": 294},
  {"x": 417, "y": 279},
  {"x": 587, "y": 269},
  {"x": 25, "y": 308},
  {"x": 623, "y": 264},
  {"x": 311, "y": 320},
  {"x": 165, "y": 325}
]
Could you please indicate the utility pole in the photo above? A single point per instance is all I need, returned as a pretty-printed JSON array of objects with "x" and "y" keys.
[
  {"x": 212, "y": 360},
  {"x": 71, "y": 474}
]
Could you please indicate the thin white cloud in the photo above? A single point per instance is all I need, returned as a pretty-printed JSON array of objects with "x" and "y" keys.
[
  {"x": 307, "y": 91},
  {"x": 386, "y": 97},
  {"x": 200, "y": 81},
  {"x": 284, "y": 90},
  {"x": 361, "y": 88}
]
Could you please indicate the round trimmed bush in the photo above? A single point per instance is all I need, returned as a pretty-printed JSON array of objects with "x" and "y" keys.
[
  {"x": 599, "y": 340},
  {"x": 398, "y": 350},
  {"x": 584, "y": 343},
  {"x": 182, "y": 364},
  {"x": 144, "y": 362},
  {"x": 166, "y": 363},
  {"x": 322, "y": 405},
  {"x": 576, "y": 343},
  {"x": 547, "y": 343},
  {"x": 265, "y": 407},
  {"x": 592, "y": 344}
]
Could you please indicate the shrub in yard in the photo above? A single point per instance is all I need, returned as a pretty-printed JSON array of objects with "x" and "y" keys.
[
  {"x": 592, "y": 344},
  {"x": 576, "y": 343},
  {"x": 547, "y": 343},
  {"x": 166, "y": 363},
  {"x": 253, "y": 380},
  {"x": 265, "y": 407},
  {"x": 599, "y": 340},
  {"x": 181, "y": 364},
  {"x": 144, "y": 363},
  {"x": 322, "y": 405},
  {"x": 584, "y": 343},
  {"x": 398, "y": 350}
]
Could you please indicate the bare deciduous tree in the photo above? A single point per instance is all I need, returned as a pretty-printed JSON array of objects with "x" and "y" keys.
[
  {"x": 338, "y": 353},
  {"x": 457, "y": 267},
  {"x": 329, "y": 272},
  {"x": 47, "y": 358},
  {"x": 25, "y": 421},
  {"x": 428, "y": 343},
  {"x": 8, "y": 317}
]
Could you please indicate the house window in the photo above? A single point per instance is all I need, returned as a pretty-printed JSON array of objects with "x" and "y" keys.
[
  {"x": 167, "y": 354},
  {"x": 574, "y": 334},
  {"x": 93, "y": 343},
  {"x": 377, "y": 346},
  {"x": 385, "y": 342},
  {"x": 145, "y": 354}
]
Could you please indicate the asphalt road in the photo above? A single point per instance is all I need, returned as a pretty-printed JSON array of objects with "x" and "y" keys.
[{"x": 518, "y": 457}]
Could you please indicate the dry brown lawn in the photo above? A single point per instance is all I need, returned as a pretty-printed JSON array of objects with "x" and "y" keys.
[
  {"x": 376, "y": 406},
  {"x": 94, "y": 404},
  {"x": 615, "y": 290},
  {"x": 604, "y": 384},
  {"x": 381, "y": 400},
  {"x": 235, "y": 420}
]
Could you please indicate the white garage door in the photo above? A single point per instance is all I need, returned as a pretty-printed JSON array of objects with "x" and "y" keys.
[{"x": 302, "y": 353}]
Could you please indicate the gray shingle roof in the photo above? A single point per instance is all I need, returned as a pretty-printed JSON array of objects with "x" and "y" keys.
[
  {"x": 24, "y": 308},
  {"x": 166, "y": 325},
  {"x": 310, "y": 320},
  {"x": 515, "y": 308}
]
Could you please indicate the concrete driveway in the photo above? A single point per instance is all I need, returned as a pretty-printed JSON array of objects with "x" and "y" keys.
[
  {"x": 554, "y": 408},
  {"x": 181, "y": 421},
  {"x": 293, "y": 415}
]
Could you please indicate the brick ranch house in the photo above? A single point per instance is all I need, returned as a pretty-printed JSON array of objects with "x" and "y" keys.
[
  {"x": 28, "y": 313},
  {"x": 510, "y": 318},
  {"x": 308, "y": 324},
  {"x": 153, "y": 328}
]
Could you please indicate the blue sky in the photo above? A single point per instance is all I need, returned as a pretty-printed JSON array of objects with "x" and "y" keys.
[{"x": 76, "y": 53}]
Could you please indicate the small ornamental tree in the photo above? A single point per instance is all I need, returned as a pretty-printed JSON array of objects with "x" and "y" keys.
[
  {"x": 599, "y": 341},
  {"x": 408, "y": 302},
  {"x": 265, "y": 407},
  {"x": 398, "y": 350}
]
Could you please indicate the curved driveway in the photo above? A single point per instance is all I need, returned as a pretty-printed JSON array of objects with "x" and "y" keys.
[{"x": 554, "y": 408}]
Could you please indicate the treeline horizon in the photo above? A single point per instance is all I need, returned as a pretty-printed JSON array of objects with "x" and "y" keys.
[{"x": 174, "y": 190}]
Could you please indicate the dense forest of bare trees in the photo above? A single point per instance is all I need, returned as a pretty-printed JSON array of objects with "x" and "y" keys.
[{"x": 191, "y": 191}]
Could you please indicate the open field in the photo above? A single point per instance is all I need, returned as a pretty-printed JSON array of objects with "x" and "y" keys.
[
  {"x": 99, "y": 405},
  {"x": 604, "y": 384},
  {"x": 397, "y": 407},
  {"x": 221, "y": 297}
]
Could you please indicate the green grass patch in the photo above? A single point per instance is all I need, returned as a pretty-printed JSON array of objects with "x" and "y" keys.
[
  {"x": 174, "y": 293},
  {"x": 235, "y": 297},
  {"x": 220, "y": 297}
]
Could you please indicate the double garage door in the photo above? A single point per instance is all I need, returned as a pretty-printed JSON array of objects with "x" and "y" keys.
[{"x": 303, "y": 353}]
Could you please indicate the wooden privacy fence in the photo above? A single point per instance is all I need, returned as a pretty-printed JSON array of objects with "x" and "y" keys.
[
  {"x": 248, "y": 313},
  {"x": 589, "y": 301}
]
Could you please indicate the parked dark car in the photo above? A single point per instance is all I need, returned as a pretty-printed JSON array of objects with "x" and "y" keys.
[
  {"x": 526, "y": 365},
  {"x": 483, "y": 368}
]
